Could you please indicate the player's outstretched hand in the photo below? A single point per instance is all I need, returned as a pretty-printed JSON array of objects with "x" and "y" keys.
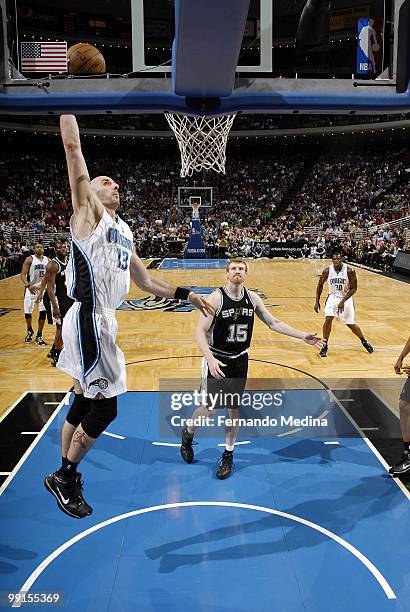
[
  {"x": 201, "y": 303},
  {"x": 314, "y": 340},
  {"x": 215, "y": 368}
]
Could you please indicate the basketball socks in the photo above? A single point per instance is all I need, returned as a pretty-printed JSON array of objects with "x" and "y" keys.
[
  {"x": 406, "y": 446},
  {"x": 68, "y": 469},
  {"x": 229, "y": 448},
  {"x": 366, "y": 345},
  {"x": 323, "y": 351}
]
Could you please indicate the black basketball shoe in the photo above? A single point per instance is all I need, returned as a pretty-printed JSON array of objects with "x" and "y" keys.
[
  {"x": 323, "y": 351},
  {"x": 29, "y": 336},
  {"x": 68, "y": 493},
  {"x": 226, "y": 465},
  {"x": 187, "y": 452},
  {"x": 54, "y": 358},
  {"x": 367, "y": 345},
  {"x": 402, "y": 467},
  {"x": 40, "y": 341},
  {"x": 79, "y": 489}
]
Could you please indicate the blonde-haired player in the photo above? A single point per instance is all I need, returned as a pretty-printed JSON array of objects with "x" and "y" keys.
[{"x": 223, "y": 339}]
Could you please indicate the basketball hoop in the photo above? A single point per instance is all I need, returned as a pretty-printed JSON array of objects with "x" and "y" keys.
[{"x": 202, "y": 141}]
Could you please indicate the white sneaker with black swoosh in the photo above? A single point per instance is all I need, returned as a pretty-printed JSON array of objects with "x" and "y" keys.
[{"x": 68, "y": 493}]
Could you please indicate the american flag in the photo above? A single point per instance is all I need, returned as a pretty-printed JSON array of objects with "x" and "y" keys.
[{"x": 44, "y": 56}]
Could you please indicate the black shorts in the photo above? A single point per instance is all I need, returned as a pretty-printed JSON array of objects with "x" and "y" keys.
[
  {"x": 405, "y": 392},
  {"x": 64, "y": 303},
  {"x": 227, "y": 392}
]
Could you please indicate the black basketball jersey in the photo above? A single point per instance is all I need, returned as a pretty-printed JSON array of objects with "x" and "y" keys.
[
  {"x": 231, "y": 331},
  {"x": 61, "y": 288}
]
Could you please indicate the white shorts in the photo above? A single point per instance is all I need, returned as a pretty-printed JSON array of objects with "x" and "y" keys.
[
  {"x": 90, "y": 354},
  {"x": 347, "y": 316},
  {"x": 29, "y": 302}
]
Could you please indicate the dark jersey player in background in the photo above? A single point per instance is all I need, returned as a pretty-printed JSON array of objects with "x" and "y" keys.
[
  {"x": 60, "y": 302},
  {"x": 403, "y": 466},
  {"x": 224, "y": 340}
]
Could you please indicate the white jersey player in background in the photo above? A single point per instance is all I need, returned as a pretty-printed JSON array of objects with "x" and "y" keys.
[
  {"x": 342, "y": 285},
  {"x": 32, "y": 274},
  {"x": 102, "y": 261}
]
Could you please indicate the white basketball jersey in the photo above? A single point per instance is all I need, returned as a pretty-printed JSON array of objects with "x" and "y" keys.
[
  {"x": 338, "y": 282},
  {"x": 37, "y": 270},
  {"x": 98, "y": 273}
]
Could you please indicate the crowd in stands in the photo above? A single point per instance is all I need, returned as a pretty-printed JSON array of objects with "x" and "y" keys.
[{"x": 340, "y": 203}]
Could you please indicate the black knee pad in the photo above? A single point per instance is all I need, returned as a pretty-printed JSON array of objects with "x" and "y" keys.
[
  {"x": 79, "y": 408},
  {"x": 27, "y": 316},
  {"x": 42, "y": 315},
  {"x": 102, "y": 413}
]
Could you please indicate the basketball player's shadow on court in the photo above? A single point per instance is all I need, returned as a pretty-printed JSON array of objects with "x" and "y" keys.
[
  {"x": 340, "y": 515},
  {"x": 307, "y": 449},
  {"x": 15, "y": 554}
]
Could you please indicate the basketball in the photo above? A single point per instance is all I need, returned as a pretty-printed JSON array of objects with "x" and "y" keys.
[
  {"x": 376, "y": 47},
  {"x": 84, "y": 58}
]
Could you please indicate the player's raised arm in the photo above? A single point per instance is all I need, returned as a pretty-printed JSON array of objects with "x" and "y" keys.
[
  {"x": 323, "y": 278},
  {"x": 83, "y": 199},
  {"x": 146, "y": 282},
  {"x": 279, "y": 326}
]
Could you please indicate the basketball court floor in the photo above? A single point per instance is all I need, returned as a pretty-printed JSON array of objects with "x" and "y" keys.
[{"x": 306, "y": 522}]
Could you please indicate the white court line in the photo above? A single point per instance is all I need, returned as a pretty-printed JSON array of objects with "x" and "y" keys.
[
  {"x": 51, "y": 403},
  {"x": 107, "y": 433},
  {"x": 331, "y": 442},
  {"x": 4, "y": 473},
  {"x": 369, "y": 428},
  {"x": 292, "y": 431},
  {"x": 390, "y": 594},
  {"x": 29, "y": 433},
  {"x": 165, "y": 444},
  {"x": 288, "y": 433},
  {"x": 372, "y": 448},
  {"x": 383, "y": 401},
  {"x": 237, "y": 443},
  {"x": 32, "y": 446},
  {"x": 3, "y": 416},
  {"x": 348, "y": 399}
]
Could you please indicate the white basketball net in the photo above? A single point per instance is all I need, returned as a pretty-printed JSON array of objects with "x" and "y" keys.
[{"x": 202, "y": 141}]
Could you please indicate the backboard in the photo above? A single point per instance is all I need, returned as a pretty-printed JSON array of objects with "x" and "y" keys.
[{"x": 294, "y": 56}]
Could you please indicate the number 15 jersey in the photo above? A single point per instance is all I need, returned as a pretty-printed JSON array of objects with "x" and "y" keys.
[{"x": 230, "y": 334}]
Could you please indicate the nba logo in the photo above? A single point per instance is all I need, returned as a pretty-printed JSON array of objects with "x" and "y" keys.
[{"x": 367, "y": 47}]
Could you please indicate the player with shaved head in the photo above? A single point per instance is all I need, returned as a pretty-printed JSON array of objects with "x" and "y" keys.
[{"x": 102, "y": 262}]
